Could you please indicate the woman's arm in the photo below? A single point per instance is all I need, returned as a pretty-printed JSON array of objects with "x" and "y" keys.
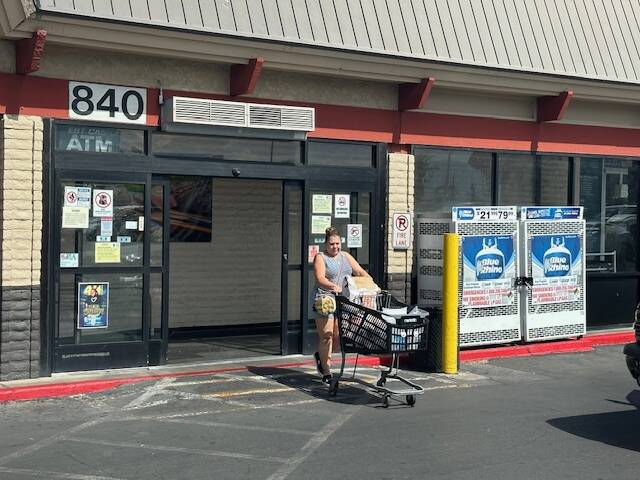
[
  {"x": 358, "y": 271},
  {"x": 319, "y": 270}
]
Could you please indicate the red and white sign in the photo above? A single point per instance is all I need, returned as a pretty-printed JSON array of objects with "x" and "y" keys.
[
  {"x": 555, "y": 290},
  {"x": 342, "y": 206},
  {"x": 354, "y": 235},
  {"x": 402, "y": 231},
  {"x": 103, "y": 203}
]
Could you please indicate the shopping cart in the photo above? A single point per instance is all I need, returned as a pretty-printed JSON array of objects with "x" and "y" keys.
[{"x": 367, "y": 331}]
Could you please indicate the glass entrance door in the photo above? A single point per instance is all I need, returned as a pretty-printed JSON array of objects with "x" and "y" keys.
[
  {"x": 351, "y": 210},
  {"x": 102, "y": 277}
]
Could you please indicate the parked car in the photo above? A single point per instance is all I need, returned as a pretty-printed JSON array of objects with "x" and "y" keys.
[{"x": 632, "y": 350}]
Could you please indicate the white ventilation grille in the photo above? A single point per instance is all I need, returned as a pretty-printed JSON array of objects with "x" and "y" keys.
[{"x": 237, "y": 114}]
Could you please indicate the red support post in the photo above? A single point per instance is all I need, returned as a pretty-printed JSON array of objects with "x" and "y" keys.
[
  {"x": 29, "y": 52},
  {"x": 553, "y": 107},
  {"x": 412, "y": 96},
  {"x": 243, "y": 78}
]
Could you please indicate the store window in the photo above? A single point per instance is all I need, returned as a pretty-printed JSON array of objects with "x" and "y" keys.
[
  {"x": 190, "y": 207},
  {"x": 609, "y": 194},
  {"x": 227, "y": 148},
  {"x": 92, "y": 139},
  {"x": 341, "y": 154},
  {"x": 444, "y": 178}
]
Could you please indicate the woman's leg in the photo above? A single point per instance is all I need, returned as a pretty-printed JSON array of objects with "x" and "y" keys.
[{"x": 325, "y": 327}]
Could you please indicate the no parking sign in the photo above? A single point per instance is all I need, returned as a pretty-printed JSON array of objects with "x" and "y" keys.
[{"x": 402, "y": 235}]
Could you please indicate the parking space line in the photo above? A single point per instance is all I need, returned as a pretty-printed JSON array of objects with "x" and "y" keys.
[
  {"x": 161, "y": 448},
  {"x": 55, "y": 475},
  {"x": 313, "y": 444},
  {"x": 237, "y": 426}
]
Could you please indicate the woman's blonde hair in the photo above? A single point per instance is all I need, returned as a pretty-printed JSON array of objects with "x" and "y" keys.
[{"x": 331, "y": 232}]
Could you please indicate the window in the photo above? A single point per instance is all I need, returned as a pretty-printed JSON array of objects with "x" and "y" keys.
[
  {"x": 340, "y": 154},
  {"x": 90, "y": 139},
  {"x": 227, "y": 148},
  {"x": 190, "y": 207},
  {"x": 447, "y": 178},
  {"x": 609, "y": 193},
  {"x": 516, "y": 179}
]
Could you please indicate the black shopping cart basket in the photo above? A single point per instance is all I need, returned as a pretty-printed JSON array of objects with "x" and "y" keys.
[{"x": 367, "y": 331}]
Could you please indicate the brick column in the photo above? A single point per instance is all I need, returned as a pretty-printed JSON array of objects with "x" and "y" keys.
[
  {"x": 21, "y": 242},
  {"x": 399, "y": 263}
]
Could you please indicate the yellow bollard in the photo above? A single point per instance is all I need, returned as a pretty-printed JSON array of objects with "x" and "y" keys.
[{"x": 450, "y": 303}]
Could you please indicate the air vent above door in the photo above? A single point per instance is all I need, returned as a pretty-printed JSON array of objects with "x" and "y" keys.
[{"x": 185, "y": 114}]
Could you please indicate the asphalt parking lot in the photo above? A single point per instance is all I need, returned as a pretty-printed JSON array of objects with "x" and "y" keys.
[{"x": 559, "y": 416}]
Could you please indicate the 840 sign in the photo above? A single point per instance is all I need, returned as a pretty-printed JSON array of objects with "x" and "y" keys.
[{"x": 107, "y": 103}]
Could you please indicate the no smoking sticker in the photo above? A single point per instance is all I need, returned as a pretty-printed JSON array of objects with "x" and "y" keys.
[
  {"x": 354, "y": 235},
  {"x": 103, "y": 203},
  {"x": 342, "y": 206}
]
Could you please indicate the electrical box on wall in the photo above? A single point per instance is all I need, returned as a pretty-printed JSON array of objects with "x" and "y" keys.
[{"x": 218, "y": 117}]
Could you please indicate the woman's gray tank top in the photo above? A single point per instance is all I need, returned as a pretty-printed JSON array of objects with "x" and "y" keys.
[{"x": 332, "y": 268}]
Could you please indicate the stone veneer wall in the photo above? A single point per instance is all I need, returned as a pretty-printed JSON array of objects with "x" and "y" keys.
[
  {"x": 400, "y": 185},
  {"x": 21, "y": 242}
]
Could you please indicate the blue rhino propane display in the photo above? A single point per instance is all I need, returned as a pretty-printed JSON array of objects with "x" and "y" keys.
[
  {"x": 489, "y": 270},
  {"x": 556, "y": 262}
]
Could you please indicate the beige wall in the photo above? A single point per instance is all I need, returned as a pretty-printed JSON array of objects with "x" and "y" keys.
[
  {"x": 461, "y": 102},
  {"x": 597, "y": 113},
  {"x": 399, "y": 263},
  {"x": 21, "y": 241},
  {"x": 234, "y": 279},
  {"x": 136, "y": 70}
]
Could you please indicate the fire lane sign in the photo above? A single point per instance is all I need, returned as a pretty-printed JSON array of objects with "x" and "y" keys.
[{"x": 402, "y": 231}]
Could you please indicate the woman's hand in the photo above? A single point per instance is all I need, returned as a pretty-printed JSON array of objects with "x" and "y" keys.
[{"x": 336, "y": 289}]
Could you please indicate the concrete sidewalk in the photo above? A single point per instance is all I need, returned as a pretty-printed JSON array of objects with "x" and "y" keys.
[{"x": 65, "y": 384}]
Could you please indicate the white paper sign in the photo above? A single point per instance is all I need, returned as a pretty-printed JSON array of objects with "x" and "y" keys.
[
  {"x": 354, "y": 235},
  {"x": 75, "y": 217},
  {"x": 342, "y": 207},
  {"x": 321, "y": 204},
  {"x": 70, "y": 196},
  {"x": 123, "y": 239},
  {"x": 129, "y": 225},
  {"x": 84, "y": 196},
  {"x": 106, "y": 227},
  {"x": 141, "y": 224},
  {"x": 402, "y": 236},
  {"x": 103, "y": 203},
  {"x": 320, "y": 223},
  {"x": 69, "y": 260}
]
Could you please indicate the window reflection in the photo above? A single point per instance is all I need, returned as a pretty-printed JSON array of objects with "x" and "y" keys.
[
  {"x": 609, "y": 193},
  {"x": 447, "y": 178}
]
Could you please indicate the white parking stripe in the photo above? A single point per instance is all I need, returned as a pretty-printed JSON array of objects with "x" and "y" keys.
[
  {"x": 55, "y": 475},
  {"x": 213, "y": 453},
  {"x": 237, "y": 426},
  {"x": 313, "y": 444}
]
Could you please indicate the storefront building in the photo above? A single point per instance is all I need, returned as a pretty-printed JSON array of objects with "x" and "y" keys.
[{"x": 168, "y": 167}]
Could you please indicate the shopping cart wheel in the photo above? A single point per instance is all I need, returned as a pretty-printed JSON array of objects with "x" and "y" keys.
[
  {"x": 411, "y": 400},
  {"x": 381, "y": 382},
  {"x": 333, "y": 387},
  {"x": 385, "y": 401}
]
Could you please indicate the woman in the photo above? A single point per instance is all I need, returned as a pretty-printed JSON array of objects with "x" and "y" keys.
[{"x": 331, "y": 268}]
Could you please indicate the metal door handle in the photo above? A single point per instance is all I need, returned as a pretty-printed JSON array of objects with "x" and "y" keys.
[{"x": 285, "y": 257}]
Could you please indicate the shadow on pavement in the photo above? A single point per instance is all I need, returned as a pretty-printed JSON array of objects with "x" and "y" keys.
[
  {"x": 348, "y": 393},
  {"x": 619, "y": 429}
]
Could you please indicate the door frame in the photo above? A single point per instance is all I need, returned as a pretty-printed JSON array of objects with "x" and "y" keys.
[{"x": 136, "y": 350}]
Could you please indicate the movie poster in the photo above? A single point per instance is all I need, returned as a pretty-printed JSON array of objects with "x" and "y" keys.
[{"x": 93, "y": 305}]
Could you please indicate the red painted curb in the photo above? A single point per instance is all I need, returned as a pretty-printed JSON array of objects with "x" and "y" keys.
[
  {"x": 34, "y": 392},
  {"x": 584, "y": 344}
]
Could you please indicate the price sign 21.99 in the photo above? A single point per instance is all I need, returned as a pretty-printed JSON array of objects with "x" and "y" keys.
[{"x": 107, "y": 103}]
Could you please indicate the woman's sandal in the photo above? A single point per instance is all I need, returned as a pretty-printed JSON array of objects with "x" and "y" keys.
[
  {"x": 327, "y": 378},
  {"x": 318, "y": 363}
]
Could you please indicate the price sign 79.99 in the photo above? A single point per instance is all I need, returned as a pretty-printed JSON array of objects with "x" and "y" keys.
[{"x": 107, "y": 103}]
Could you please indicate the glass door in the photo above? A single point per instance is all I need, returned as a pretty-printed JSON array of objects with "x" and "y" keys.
[
  {"x": 102, "y": 274},
  {"x": 291, "y": 336},
  {"x": 351, "y": 210}
]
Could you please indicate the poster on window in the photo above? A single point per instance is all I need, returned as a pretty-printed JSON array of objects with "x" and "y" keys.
[
  {"x": 556, "y": 263},
  {"x": 489, "y": 270},
  {"x": 93, "y": 305}
]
